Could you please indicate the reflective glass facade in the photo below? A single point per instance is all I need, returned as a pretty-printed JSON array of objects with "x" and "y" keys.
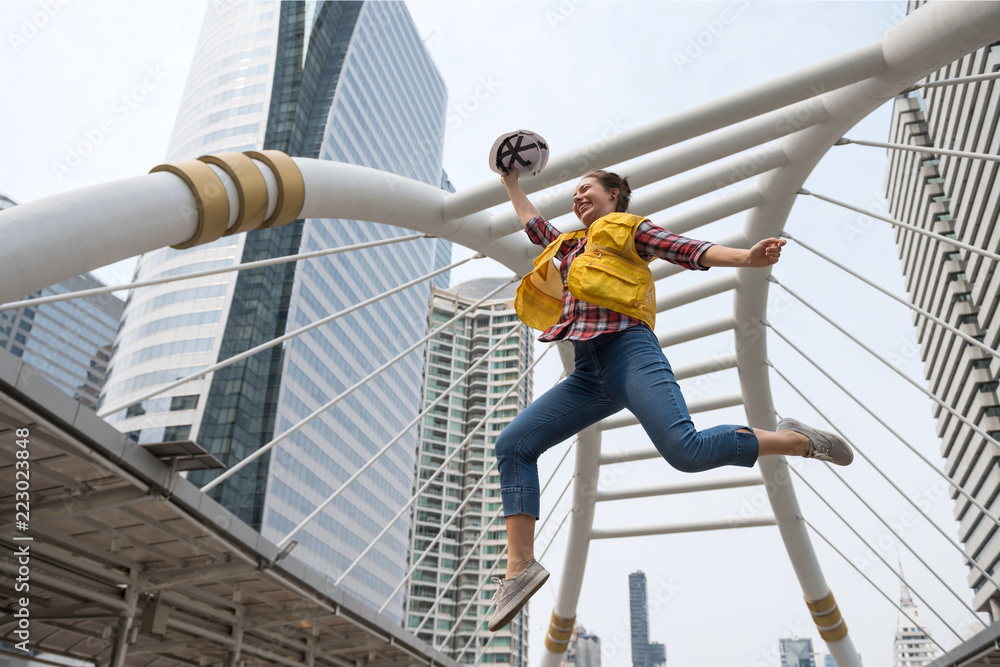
[
  {"x": 387, "y": 112},
  {"x": 173, "y": 329},
  {"x": 455, "y": 566},
  {"x": 68, "y": 342},
  {"x": 346, "y": 81}
]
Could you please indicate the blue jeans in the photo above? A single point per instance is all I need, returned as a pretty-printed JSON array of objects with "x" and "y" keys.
[{"x": 622, "y": 369}]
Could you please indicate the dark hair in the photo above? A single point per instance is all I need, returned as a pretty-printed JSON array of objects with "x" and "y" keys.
[{"x": 612, "y": 181}]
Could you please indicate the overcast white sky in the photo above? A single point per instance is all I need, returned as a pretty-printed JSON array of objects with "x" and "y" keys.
[{"x": 111, "y": 74}]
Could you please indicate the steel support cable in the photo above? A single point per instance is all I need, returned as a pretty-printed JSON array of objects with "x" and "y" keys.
[
  {"x": 483, "y": 650},
  {"x": 953, "y": 82},
  {"x": 503, "y": 552},
  {"x": 904, "y": 225},
  {"x": 336, "y": 399},
  {"x": 209, "y": 272},
  {"x": 884, "y": 476},
  {"x": 447, "y": 460},
  {"x": 281, "y": 339},
  {"x": 901, "y": 374},
  {"x": 398, "y": 436},
  {"x": 884, "y": 561},
  {"x": 933, "y": 318},
  {"x": 458, "y": 570},
  {"x": 438, "y": 537},
  {"x": 912, "y": 448},
  {"x": 868, "y": 579},
  {"x": 913, "y": 551},
  {"x": 482, "y": 535},
  {"x": 917, "y": 149}
]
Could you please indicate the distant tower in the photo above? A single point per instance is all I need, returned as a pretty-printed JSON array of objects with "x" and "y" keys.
[
  {"x": 584, "y": 649},
  {"x": 644, "y": 654},
  {"x": 797, "y": 653},
  {"x": 913, "y": 646},
  {"x": 639, "y": 618}
]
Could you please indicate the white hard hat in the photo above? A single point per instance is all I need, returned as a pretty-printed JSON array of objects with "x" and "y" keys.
[{"x": 525, "y": 151}]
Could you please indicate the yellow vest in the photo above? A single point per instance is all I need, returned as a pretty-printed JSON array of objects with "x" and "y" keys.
[{"x": 608, "y": 273}]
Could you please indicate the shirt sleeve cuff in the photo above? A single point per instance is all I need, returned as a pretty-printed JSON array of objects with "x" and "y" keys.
[{"x": 696, "y": 258}]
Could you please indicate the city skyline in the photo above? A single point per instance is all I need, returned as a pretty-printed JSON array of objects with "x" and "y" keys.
[{"x": 551, "y": 27}]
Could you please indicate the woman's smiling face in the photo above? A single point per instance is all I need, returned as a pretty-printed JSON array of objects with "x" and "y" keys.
[{"x": 592, "y": 201}]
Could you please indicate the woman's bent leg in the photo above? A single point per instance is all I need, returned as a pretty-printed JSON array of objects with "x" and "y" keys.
[{"x": 566, "y": 409}]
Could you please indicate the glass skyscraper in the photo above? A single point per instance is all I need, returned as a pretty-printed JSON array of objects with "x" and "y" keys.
[
  {"x": 644, "y": 653},
  {"x": 463, "y": 557},
  {"x": 797, "y": 653},
  {"x": 68, "y": 342},
  {"x": 345, "y": 81}
]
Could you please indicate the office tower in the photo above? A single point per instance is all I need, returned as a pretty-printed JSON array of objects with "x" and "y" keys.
[
  {"x": 68, "y": 342},
  {"x": 956, "y": 197},
  {"x": 796, "y": 653},
  {"x": 913, "y": 646},
  {"x": 638, "y": 618},
  {"x": 644, "y": 654},
  {"x": 584, "y": 649},
  {"x": 455, "y": 566},
  {"x": 344, "y": 81},
  {"x": 656, "y": 654}
]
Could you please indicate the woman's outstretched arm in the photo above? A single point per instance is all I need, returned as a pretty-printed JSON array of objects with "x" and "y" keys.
[
  {"x": 525, "y": 209},
  {"x": 762, "y": 254}
]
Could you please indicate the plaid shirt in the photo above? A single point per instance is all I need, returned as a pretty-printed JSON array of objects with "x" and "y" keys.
[{"x": 581, "y": 320}]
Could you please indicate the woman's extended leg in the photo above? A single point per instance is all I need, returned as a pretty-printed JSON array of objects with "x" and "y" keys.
[
  {"x": 646, "y": 385},
  {"x": 785, "y": 443}
]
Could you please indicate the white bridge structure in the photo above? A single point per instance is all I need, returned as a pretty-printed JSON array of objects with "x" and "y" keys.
[{"x": 765, "y": 140}]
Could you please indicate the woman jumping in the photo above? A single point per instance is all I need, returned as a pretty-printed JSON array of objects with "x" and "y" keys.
[{"x": 619, "y": 364}]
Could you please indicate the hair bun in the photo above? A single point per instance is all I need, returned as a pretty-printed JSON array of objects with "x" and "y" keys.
[{"x": 625, "y": 185}]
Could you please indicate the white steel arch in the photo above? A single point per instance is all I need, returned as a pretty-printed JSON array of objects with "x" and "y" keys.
[{"x": 802, "y": 114}]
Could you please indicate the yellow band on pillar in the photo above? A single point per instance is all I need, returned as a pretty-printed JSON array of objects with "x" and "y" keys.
[
  {"x": 291, "y": 187},
  {"x": 821, "y": 606},
  {"x": 560, "y": 631},
  {"x": 836, "y": 634},
  {"x": 829, "y": 621},
  {"x": 209, "y": 197},
  {"x": 250, "y": 188}
]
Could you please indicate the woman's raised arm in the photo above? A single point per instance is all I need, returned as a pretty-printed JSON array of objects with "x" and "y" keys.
[{"x": 525, "y": 209}]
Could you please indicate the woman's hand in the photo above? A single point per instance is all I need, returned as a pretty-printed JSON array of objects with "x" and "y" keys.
[
  {"x": 766, "y": 252},
  {"x": 510, "y": 178}
]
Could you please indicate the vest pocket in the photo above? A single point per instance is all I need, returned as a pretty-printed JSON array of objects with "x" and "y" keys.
[{"x": 606, "y": 280}]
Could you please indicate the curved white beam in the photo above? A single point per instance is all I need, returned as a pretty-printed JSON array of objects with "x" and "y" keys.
[{"x": 928, "y": 39}]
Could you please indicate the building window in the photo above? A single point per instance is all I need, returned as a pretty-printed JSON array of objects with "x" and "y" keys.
[
  {"x": 184, "y": 402},
  {"x": 174, "y": 433}
]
